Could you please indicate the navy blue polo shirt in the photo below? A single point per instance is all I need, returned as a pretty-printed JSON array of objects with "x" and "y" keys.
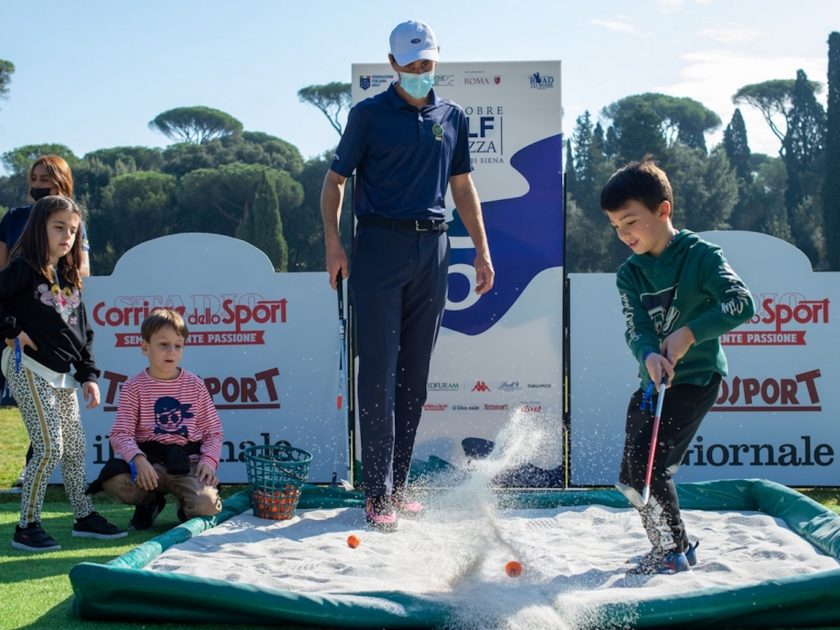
[{"x": 403, "y": 156}]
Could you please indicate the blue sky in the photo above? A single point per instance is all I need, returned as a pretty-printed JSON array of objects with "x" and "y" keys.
[{"x": 92, "y": 74}]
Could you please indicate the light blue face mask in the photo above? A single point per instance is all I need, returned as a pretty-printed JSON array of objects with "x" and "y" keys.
[{"x": 417, "y": 85}]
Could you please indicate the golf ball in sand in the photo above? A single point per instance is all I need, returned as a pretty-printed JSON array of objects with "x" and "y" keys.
[
  {"x": 353, "y": 542},
  {"x": 513, "y": 569}
]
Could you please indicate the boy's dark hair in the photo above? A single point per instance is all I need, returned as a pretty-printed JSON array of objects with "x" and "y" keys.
[
  {"x": 640, "y": 181},
  {"x": 161, "y": 317}
]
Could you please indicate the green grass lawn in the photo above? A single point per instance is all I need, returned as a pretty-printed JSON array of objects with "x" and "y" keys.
[{"x": 35, "y": 591}]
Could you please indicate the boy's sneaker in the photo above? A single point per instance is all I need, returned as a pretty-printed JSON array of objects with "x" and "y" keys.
[
  {"x": 145, "y": 515},
  {"x": 650, "y": 556},
  {"x": 380, "y": 514},
  {"x": 33, "y": 538},
  {"x": 691, "y": 553},
  {"x": 95, "y": 526},
  {"x": 669, "y": 562},
  {"x": 407, "y": 508}
]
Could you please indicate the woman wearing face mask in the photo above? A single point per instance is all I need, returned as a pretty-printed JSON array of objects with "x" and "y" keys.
[{"x": 49, "y": 175}]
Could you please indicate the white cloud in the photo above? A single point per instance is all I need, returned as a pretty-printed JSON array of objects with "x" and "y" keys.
[
  {"x": 669, "y": 6},
  {"x": 733, "y": 34},
  {"x": 618, "y": 26},
  {"x": 713, "y": 76}
]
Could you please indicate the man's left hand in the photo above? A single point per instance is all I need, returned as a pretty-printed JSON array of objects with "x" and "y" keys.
[{"x": 484, "y": 274}]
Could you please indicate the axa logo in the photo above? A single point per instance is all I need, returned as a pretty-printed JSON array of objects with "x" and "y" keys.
[
  {"x": 539, "y": 222},
  {"x": 480, "y": 386}
]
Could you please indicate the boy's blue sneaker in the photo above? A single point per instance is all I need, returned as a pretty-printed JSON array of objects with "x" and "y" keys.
[
  {"x": 650, "y": 556},
  {"x": 691, "y": 553},
  {"x": 670, "y": 562}
]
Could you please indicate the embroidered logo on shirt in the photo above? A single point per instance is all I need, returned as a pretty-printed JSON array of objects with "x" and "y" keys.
[
  {"x": 170, "y": 415},
  {"x": 65, "y": 301}
]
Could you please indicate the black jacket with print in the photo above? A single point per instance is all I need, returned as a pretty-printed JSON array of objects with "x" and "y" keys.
[{"x": 53, "y": 317}]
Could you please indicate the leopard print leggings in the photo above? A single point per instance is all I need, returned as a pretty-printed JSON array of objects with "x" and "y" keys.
[{"x": 55, "y": 429}]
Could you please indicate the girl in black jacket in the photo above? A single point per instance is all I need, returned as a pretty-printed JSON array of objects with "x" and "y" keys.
[{"x": 47, "y": 335}]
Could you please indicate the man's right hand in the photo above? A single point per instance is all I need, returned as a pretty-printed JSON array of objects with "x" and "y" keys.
[{"x": 337, "y": 261}]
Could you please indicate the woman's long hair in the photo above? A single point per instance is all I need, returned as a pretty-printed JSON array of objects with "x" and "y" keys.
[
  {"x": 59, "y": 171},
  {"x": 34, "y": 247}
]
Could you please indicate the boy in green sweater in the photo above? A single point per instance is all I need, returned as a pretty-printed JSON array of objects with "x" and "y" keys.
[{"x": 678, "y": 295}]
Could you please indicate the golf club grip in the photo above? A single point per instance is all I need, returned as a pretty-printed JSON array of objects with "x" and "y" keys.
[{"x": 339, "y": 289}]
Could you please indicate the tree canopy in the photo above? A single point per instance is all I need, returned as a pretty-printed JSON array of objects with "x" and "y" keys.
[
  {"x": 19, "y": 160},
  {"x": 7, "y": 69},
  {"x": 736, "y": 145},
  {"x": 128, "y": 159},
  {"x": 679, "y": 119},
  {"x": 331, "y": 99},
  {"x": 773, "y": 99},
  {"x": 831, "y": 181},
  {"x": 195, "y": 124}
]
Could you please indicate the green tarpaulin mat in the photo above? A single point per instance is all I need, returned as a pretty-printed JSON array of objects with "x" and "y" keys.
[{"x": 121, "y": 589}]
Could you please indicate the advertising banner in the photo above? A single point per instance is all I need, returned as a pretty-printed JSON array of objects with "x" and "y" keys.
[
  {"x": 776, "y": 416},
  {"x": 265, "y": 344},
  {"x": 499, "y": 356}
]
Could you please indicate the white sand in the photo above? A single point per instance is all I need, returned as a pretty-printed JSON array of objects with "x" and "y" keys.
[{"x": 573, "y": 557}]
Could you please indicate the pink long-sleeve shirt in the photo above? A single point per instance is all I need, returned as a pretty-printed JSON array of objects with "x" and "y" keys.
[{"x": 169, "y": 412}]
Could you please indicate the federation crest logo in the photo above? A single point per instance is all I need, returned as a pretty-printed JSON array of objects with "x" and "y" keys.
[{"x": 364, "y": 82}]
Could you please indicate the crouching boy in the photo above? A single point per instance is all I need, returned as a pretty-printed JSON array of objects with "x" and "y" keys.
[{"x": 167, "y": 432}]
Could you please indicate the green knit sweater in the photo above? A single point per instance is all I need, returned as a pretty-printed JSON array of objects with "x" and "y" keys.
[{"x": 688, "y": 284}]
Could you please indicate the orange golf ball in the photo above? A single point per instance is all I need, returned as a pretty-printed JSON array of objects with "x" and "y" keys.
[
  {"x": 513, "y": 569},
  {"x": 353, "y": 541}
]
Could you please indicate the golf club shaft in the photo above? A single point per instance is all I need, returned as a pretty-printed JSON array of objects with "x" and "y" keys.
[
  {"x": 339, "y": 285},
  {"x": 654, "y": 436}
]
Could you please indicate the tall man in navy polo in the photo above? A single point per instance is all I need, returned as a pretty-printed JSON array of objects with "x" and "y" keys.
[{"x": 406, "y": 146}]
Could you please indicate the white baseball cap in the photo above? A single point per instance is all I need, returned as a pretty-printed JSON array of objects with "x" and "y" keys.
[{"x": 411, "y": 41}]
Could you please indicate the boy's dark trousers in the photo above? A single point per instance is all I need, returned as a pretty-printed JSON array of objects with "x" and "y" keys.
[
  {"x": 398, "y": 281},
  {"x": 684, "y": 408}
]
